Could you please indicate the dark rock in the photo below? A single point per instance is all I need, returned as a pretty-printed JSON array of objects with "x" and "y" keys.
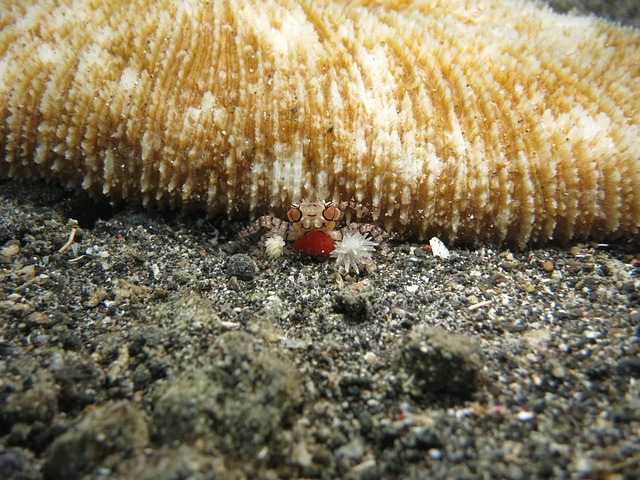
[
  {"x": 352, "y": 386},
  {"x": 239, "y": 406},
  {"x": 18, "y": 464},
  {"x": 36, "y": 402},
  {"x": 355, "y": 306},
  {"x": 629, "y": 366},
  {"x": 242, "y": 266},
  {"x": 114, "y": 428},
  {"x": 79, "y": 379},
  {"x": 437, "y": 362}
]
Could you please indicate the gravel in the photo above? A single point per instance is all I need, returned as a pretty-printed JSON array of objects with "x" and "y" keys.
[
  {"x": 143, "y": 345},
  {"x": 144, "y": 349}
]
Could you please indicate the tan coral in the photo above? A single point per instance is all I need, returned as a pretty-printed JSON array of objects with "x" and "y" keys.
[{"x": 485, "y": 120}]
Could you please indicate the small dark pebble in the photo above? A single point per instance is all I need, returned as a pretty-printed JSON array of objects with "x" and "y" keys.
[
  {"x": 141, "y": 377},
  {"x": 242, "y": 267},
  {"x": 68, "y": 340},
  {"x": 629, "y": 366},
  {"x": 355, "y": 306},
  {"x": 438, "y": 362},
  {"x": 366, "y": 423},
  {"x": 596, "y": 371},
  {"x": 115, "y": 428},
  {"x": 426, "y": 438},
  {"x": 18, "y": 464},
  {"x": 144, "y": 337},
  {"x": 353, "y": 386}
]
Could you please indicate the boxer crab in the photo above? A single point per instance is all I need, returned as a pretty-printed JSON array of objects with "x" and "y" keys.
[{"x": 313, "y": 227}]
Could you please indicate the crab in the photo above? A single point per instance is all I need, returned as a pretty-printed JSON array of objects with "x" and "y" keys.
[{"x": 313, "y": 227}]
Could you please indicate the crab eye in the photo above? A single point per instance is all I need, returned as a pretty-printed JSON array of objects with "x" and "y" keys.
[
  {"x": 330, "y": 213},
  {"x": 294, "y": 214}
]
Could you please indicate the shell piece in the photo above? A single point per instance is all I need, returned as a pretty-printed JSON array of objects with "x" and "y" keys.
[
  {"x": 471, "y": 120},
  {"x": 438, "y": 248}
]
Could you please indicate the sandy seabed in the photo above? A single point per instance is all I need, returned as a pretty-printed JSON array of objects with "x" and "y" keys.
[
  {"x": 152, "y": 347},
  {"x": 146, "y": 346}
]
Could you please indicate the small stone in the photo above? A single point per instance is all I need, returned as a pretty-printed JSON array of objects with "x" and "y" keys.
[
  {"x": 435, "y": 454},
  {"x": 27, "y": 273},
  {"x": 438, "y": 248},
  {"x": 426, "y": 437},
  {"x": 593, "y": 334},
  {"x": 300, "y": 454},
  {"x": 352, "y": 450},
  {"x": 242, "y": 266},
  {"x": 438, "y": 362},
  {"x": 356, "y": 306},
  {"x": 19, "y": 310},
  {"x": 525, "y": 416},
  {"x": 234, "y": 284},
  {"x": 365, "y": 470},
  {"x": 10, "y": 250},
  {"x": 629, "y": 366},
  {"x": 99, "y": 296},
  {"x": 548, "y": 266},
  {"x": 39, "y": 319},
  {"x": 110, "y": 428},
  {"x": 16, "y": 463},
  {"x": 556, "y": 369},
  {"x": 370, "y": 358},
  {"x": 141, "y": 377}
]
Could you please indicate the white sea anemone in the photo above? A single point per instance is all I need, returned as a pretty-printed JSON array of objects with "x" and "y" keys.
[
  {"x": 354, "y": 249},
  {"x": 274, "y": 246}
]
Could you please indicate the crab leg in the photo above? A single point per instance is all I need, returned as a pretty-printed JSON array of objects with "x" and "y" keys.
[{"x": 274, "y": 225}]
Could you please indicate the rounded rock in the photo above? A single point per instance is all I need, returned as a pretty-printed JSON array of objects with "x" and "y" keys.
[
  {"x": 242, "y": 266},
  {"x": 435, "y": 361}
]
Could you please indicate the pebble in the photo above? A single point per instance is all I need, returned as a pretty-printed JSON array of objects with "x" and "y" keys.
[
  {"x": 435, "y": 454},
  {"x": 525, "y": 416},
  {"x": 370, "y": 357},
  {"x": 353, "y": 450},
  {"x": 629, "y": 366},
  {"x": 110, "y": 428},
  {"x": 438, "y": 362},
  {"x": 10, "y": 249},
  {"x": 242, "y": 267},
  {"x": 355, "y": 306},
  {"x": 556, "y": 369}
]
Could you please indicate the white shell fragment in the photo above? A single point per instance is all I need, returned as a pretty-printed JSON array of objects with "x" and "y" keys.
[{"x": 438, "y": 248}]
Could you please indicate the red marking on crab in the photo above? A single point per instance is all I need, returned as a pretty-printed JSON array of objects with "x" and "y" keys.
[{"x": 315, "y": 243}]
